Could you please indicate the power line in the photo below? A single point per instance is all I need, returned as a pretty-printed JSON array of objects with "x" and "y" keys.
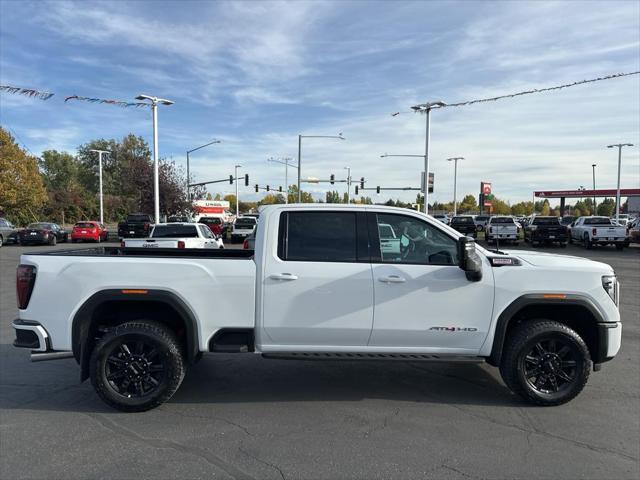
[{"x": 528, "y": 92}]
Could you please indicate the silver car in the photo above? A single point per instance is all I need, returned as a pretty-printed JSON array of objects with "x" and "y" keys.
[{"x": 8, "y": 233}]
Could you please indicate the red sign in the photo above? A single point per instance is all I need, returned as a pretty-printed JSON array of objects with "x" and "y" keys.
[
  {"x": 485, "y": 188},
  {"x": 610, "y": 192}
]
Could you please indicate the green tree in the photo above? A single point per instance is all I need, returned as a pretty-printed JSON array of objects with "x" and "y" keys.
[
  {"x": 293, "y": 195},
  {"x": 607, "y": 207},
  {"x": 545, "y": 209},
  {"x": 468, "y": 204},
  {"x": 333, "y": 197},
  {"x": 22, "y": 192}
]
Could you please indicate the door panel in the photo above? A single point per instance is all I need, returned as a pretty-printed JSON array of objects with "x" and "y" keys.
[{"x": 317, "y": 287}]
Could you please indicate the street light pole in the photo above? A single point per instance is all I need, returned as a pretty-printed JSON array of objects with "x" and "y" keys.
[
  {"x": 300, "y": 137},
  {"x": 237, "y": 199},
  {"x": 100, "y": 152},
  {"x": 154, "y": 101},
  {"x": 348, "y": 169},
  {"x": 619, "y": 145},
  {"x": 593, "y": 167},
  {"x": 455, "y": 181},
  {"x": 188, "y": 177},
  {"x": 426, "y": 108},
  {"x": 285, "y": 162}
]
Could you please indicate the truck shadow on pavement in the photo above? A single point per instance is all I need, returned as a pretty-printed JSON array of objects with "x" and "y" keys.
[{"x": 238, "y": 379}]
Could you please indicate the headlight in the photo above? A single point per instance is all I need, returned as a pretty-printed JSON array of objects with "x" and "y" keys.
[{"x": 610, "y": 285}]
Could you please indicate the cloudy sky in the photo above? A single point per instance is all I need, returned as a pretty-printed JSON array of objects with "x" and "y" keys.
[{"x": 257, "y": 74}]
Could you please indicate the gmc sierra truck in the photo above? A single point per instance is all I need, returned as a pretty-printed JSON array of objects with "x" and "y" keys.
[{"x": 320, "y": 286}]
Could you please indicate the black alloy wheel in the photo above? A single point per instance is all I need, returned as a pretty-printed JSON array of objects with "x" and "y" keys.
[
  {"x": 137, "y": 365},
  {"x": 550, "y": 366}
]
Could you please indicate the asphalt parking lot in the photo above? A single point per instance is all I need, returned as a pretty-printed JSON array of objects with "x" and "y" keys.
[{"x": 243, "y": 417}]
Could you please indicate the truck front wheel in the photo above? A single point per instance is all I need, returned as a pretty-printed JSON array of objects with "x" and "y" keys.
[
  {"x": 137, "y": 366},
  {"x": 545, "y": 362}
]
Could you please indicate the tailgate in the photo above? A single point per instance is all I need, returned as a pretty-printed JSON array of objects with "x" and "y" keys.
[
  {"x": 611, "y": 232},
  {"x": 151, "y": 243}
]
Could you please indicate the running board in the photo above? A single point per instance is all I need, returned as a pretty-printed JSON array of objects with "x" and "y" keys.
[{"x": 405, "y": 357}]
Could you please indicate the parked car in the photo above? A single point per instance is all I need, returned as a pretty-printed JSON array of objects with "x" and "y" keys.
[
  {"x": 93, "y": 231},
  {"x": 8, "y": 233},
  {"x": 481, "y": 221},
  {"x": 623, "y": 219},
  {"x": 465, "y": 225},
  {"x": 250, "y": 242},
  {"x": 136, "y": 225},
  {"x": 501, "y": 228},
  {"x": 442, "y": 217},
  {"x": 178, "y": 219},
  {"x": 242, "y": 228},
  {"x": 567, "y": 220},
  {"x": 546, "y": 230},
  {"x": 176, "y": 235},
  {"x": 599, "y": 231},
  {"x": 43, "y": 233},
  {"x": 215, "y": 224},
  {"x": 309, "y": 291},
  {"x": 633, "y": 230}
]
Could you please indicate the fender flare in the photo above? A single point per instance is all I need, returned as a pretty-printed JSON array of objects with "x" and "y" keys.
[
  {"x": 82, "y": 321},
  {"x": 528, "y": 300}
]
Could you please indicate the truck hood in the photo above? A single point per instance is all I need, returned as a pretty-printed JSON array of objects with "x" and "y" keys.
[{"x": 560, "y": 262}]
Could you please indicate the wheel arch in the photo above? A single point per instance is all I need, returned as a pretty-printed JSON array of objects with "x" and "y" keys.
[
  {"x": 115, "y": 306},
  {"x": 576, "y": 311}
]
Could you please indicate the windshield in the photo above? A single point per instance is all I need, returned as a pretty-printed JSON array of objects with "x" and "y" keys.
[
  {"x": 462, "y": 220},
  {"x": 598, "y": 221},
  {"x": 482, "y": 218},
  {"x": 211, "y": 221},
  {"x": 84, "y": 225},
  {"x": 501, "y": 220},
  {"x": 245, "y": 223},
  {"x": 40, "y": 226},
  {"x": 175, "y": 231},
  {"x": 138, "y": 218},
  {"x": 545, "y": 221}
]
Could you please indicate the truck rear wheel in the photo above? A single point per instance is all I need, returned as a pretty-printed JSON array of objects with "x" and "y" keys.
[
  {"x": 545, "y": 362},
  {"x": 137, "y": 366}
]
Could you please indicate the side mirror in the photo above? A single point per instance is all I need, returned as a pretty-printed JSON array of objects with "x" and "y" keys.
[{"x": 469, "y": 259}]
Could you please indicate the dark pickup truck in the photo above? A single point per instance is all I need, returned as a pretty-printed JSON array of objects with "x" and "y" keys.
[
  {"x": 465, "y": 225},
  {"x": 546, "y": 230},
  {"x": 136, "y": 225}
]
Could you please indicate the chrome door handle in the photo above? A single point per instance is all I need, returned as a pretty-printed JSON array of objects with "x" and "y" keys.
[
  {"x": 392, "y": 279},
  {"x": 283, "y": 276}
]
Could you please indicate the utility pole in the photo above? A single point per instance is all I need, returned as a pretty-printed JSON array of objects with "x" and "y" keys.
[
  {"x": 455, "y": 181},
  {"x": 300, "y": 137},
  {"x": 237, "y": 199},
  {"x": 619, "y": 145},
  {"x": 100, "y": 152},
  {"x": 426, "y": 109},
  {"x": 154, "y": 101},
  {"x": 348, "y": 169},
  {"x": 188, "y": 177},
  {"x": 593, "y": 167}
]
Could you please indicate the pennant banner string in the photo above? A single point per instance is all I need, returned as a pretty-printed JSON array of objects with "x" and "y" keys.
[
  {"x": 526, "y": 92},
  {"x": 118, "y": 103},
  {"x": 29, "y": 92}
]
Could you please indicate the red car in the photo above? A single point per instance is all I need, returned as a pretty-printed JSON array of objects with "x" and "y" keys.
[{"x": 94, "y": 231}]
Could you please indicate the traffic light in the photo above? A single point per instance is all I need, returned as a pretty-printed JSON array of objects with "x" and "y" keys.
[
  {"x": 246, "y": 180},
  {"x": 267, "y": 188},
  {"x": 361, "y": 183},
  {"x": 280, "y": 188},
  {"x": 378, "y": 189},
  {"x": 356, "y": 189},
  {"x": 230, "y": 179},
  {"x": 257, "y": 188},
  {"x": 332, "y": 179}
]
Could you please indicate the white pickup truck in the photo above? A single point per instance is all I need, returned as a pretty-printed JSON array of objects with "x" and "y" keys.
[
  {"x": 176, "y": 235},
  {"x": 319, "y": 286},
  {"x": 599, "y": 231},
  {"x": 501, "y": 229}
]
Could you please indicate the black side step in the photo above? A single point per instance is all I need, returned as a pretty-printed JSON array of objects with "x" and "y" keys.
[
  {"x": 232, "y": 340},
  {"x": 406, "y": 357}
]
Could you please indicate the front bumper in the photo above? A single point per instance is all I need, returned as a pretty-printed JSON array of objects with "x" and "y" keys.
[
  {"x": 30, "y": 335},
  {"x": 610, "y": 339}
]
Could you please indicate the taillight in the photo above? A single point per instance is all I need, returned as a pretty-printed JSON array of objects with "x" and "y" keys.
[
  {"x": 180, "y": 244},
  {"x": 122, "y": 244},
  {"x": 245, "y": 244},
  {"x": 25, "y": 280},
  {"x": 146, "y": 226}
]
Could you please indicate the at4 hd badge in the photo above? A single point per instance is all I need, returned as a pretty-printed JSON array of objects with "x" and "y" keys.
[{"x": 454, "y": 329}]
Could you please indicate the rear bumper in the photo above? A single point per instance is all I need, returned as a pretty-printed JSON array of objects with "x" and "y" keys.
[
  {"x": 30, "y": 335},
  {"x": 548, "y": 238},
  {"x": 36, "y": 239}
]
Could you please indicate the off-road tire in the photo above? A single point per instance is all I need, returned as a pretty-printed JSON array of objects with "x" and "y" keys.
[
  {"x": 518, "y": 346},
  {"x": 169, "y": 353}
]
